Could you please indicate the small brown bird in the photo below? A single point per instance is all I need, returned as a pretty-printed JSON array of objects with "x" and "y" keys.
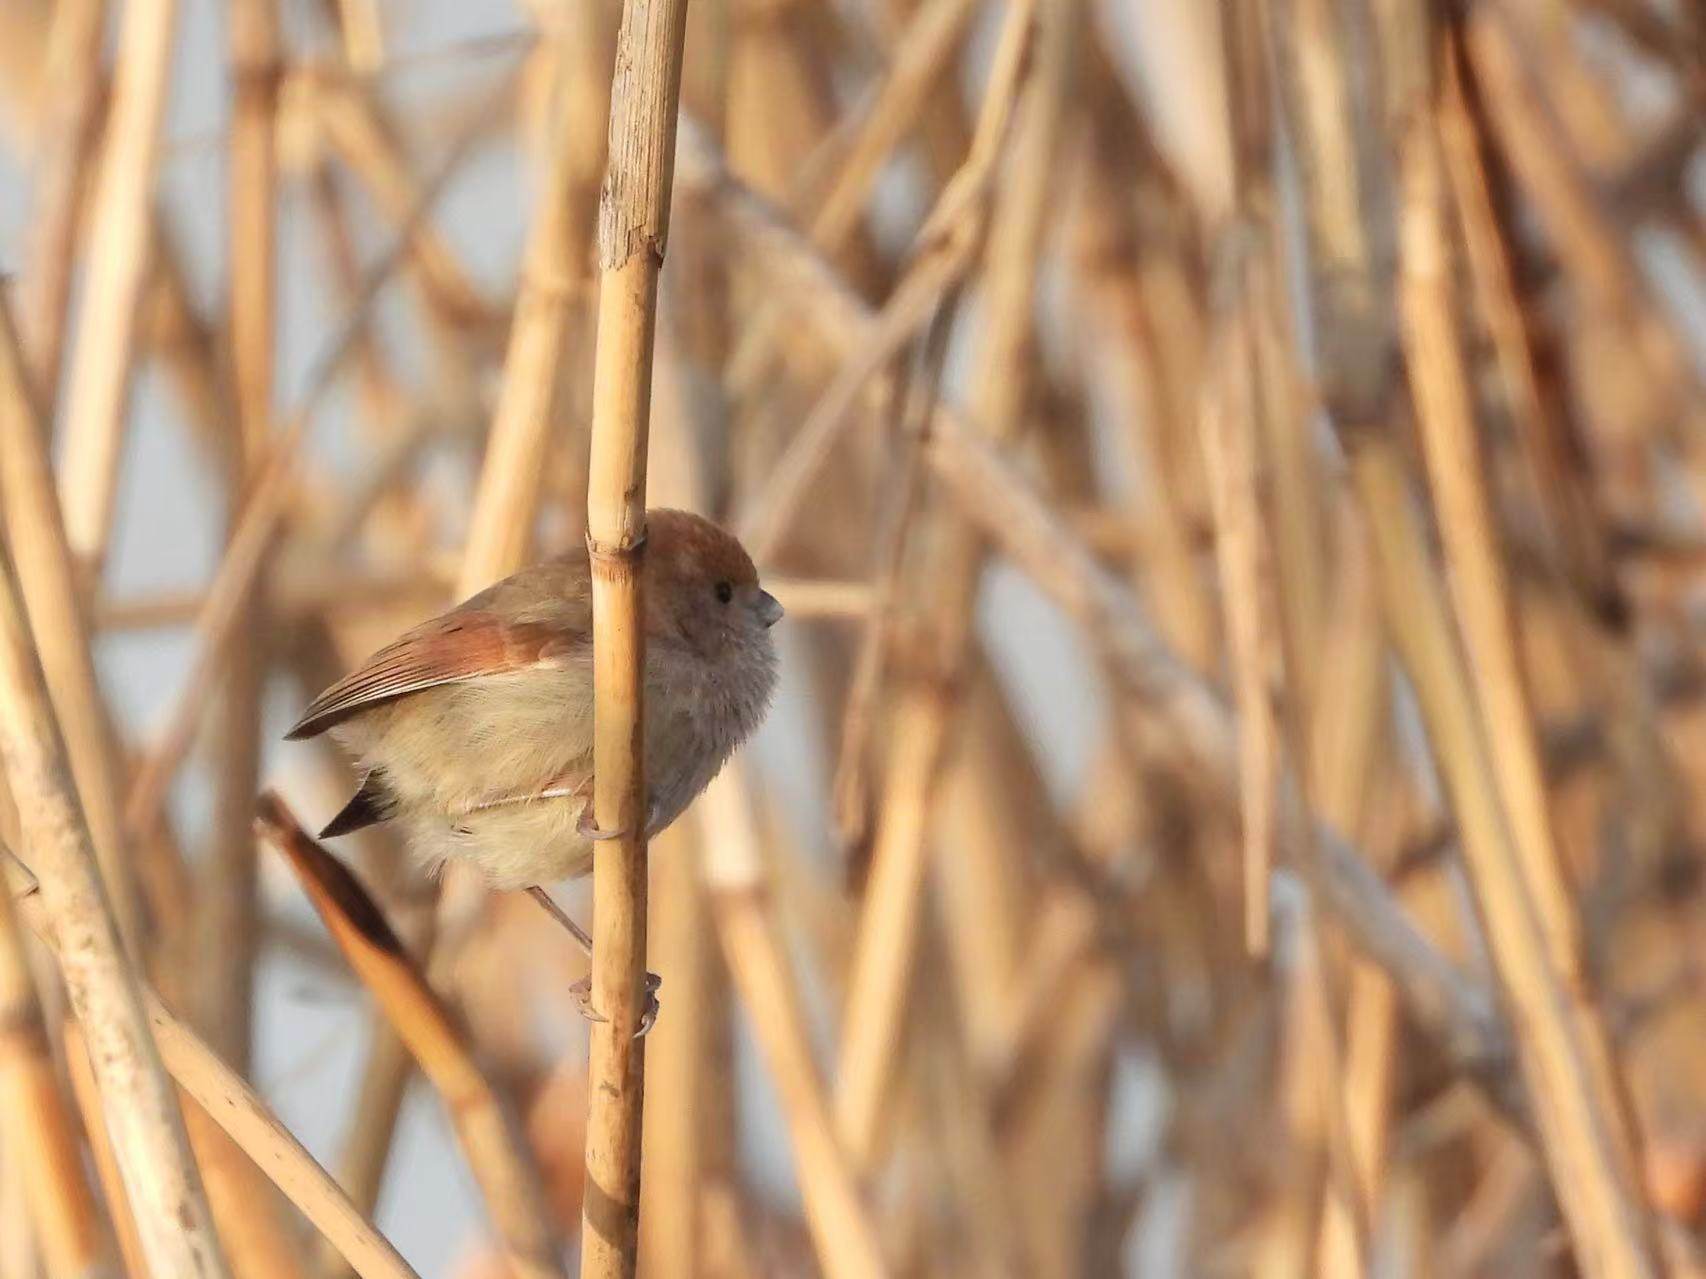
[{"x": 475, "y": 729}]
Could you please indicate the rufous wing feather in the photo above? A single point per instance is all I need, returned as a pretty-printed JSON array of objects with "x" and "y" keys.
[{"x": 459, "y": 646}]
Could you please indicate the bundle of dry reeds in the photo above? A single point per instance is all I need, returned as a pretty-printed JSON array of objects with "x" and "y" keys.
[{"x": 1237, "y": 477}]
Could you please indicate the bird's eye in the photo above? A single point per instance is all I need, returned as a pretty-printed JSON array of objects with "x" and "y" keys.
[{"x": 725, "y": 591}]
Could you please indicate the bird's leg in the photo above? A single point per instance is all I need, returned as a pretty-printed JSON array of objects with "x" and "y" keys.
[
  {"x": 557, "y": 913},
  {"x": 581, "y": 991}
]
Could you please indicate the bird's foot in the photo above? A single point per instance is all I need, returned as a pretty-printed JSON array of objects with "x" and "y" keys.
[
  {"x": 581, "y": 993},
  {"x": 587, "y": 827}
]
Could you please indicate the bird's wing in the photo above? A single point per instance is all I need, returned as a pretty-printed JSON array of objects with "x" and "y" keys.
[{"x": 467, "y": 643}]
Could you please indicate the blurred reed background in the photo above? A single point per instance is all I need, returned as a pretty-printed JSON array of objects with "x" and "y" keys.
[{"x": 1235, "y": 472}]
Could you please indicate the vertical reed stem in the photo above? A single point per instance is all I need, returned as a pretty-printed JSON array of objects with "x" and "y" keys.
[
  {"x": 118, "y": 260},
  {"x": 1585, "y": 1128},
  {"x": 633, "y": 227}
]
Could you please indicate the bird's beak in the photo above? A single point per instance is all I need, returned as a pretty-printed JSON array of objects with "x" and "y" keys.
[{"x": 769, "y": 608}]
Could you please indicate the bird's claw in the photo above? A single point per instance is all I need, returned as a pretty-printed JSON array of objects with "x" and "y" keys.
[
  {"x": 587, "y": 827},
  {"x": 581, "y": 993}
]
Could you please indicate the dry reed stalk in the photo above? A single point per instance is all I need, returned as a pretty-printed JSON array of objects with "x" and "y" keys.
[
  {"x": 251, "y": 1226},
  {"x": 389, "y": 1065},
  {"x": 24, "y": 31},
  {"x": 70, "y": 125},
  {"x": 850, "y": 802},
  {"x": 679, "y": 1070},
  {"x": 873, "y": 1023},
  {"x": 1583, "y": 1155},
  {"x": 633, "y": 228},
  {"x": 184, "y": 342},
  {"x": 1229, "y": 458},
  {"x": 1453, "y": 1009},
  {"x": 1542, "y": 417},
  {"x": 357, "y": 130},
  {"x": 554, "y": 288},
  {"x": 363, "y": 35},
  {"x": 884, "y": 954},
  {"x": 256, "y": 68},
  {"x": 1302, "y": 507},
  {"x": 218, "y": 626},
  {"x": 249, "y": 1122},
  {"x": 269, "y": 495},
  {"x": 18, "y": 1256},
  {"x": 175, "y": 1226},
  {"x": 122, "y": 206},
  {"x": 1286, "y": 1236},
  {"x": 1057, "y": 1131},
  {"x": 991, "y": 493},
  {"x": 944, "y": 250},
  {"x": 992, "y": 827},
  {"x": 1333, "y": 120},
  {"x": 1589, "y": 1139},
  {"x": 1592, "y": 122},
  {"x": 808, "y": 599},
  {"x": 957, "y": 1138},
  {"x": 742, "y": 907},
  {"x": 690, "y": 1155},
  {"x": 297, "y": 597},
  {"x": 380, "y": 395},
  {"x": 41, "y": 1139},
  {"x": 1346, "y": 747},
  {"x": 943, "y": 128},
  {"x": 48, "y": 577},
  {"x": 493, "y": 1147},
  {"x": 101, "y": 1157},
  {"x": 228, "y": 907},
  {"x": 1348, "y": 1200},
  {"x": 1127, "y": 355},
  {"x": 923, "y": 56},
  {"x": 1333, "y": 727},
  {"x": 1597, "y": 258},
  {"x": 366, "y": 1151},
  {"x": 253, "y": 1128}
]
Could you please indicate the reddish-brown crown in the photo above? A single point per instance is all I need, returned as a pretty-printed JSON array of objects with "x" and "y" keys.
[{"x": 688, "y": 547}]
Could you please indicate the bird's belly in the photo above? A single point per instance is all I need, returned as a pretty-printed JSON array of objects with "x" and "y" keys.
[
  {"x": 514, "y": 845},
  {"x": 462, "y": 745}
]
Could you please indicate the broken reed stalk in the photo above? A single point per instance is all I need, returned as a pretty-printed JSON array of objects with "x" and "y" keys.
[
  {"x": 141, "y": 1108},
  {"x": 493, "y": 1147},
  {"x": 1585, "y": 1127},
  {"x": 121, "y": 213},
  {"x": 633, "y": 227},
  {"x": 40, "y": 1134}
]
